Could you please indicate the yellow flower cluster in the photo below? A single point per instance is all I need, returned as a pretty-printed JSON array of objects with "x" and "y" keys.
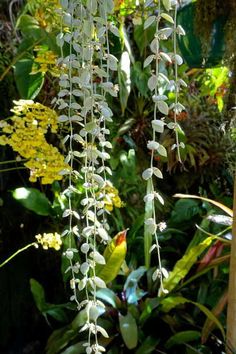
[
  {"x": 45, "y": 61},
  {"x": 111, "y": 197},
  {"x": 51, "y": 240},
  {"x": 44, "y": 11},
  {"x": 30, "y": 123}
]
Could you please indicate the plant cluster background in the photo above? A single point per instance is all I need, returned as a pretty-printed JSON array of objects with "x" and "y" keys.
[{"x": 117, "y": 145}]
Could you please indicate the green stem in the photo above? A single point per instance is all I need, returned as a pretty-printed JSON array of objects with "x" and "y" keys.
[
  {"x": 12, "y": 161},
  {"x": 17, "y": 252},
  {"x": 14, "y": 168}
]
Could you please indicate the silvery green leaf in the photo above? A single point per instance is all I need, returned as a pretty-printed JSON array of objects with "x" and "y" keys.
[
  {"x": 99, "y": 282},
  {"x": 106, "y": 112},
  {"x": 99, "y": 180},
  {"x": 151, "y": 225},
  {"x": 158, "y": 125},
  {"x": 157, "y": 172},
  {"x": 64, "y": 83},
  {"x": 88, "y": 28},
  {"x": 155, "y": 275},
  {"x": 153, "y": 145},
  {"x": 159, "y": 197},
  {"x": 102, "y": 233},
  {"x": 63, "y": 93},
  {"x": 180, "y": 30},
  {"x": 98, "y": 258},
  {"x": 76, "y": 215},
  {"x": 162, "y": 150},
  {"x": 147, "y": 174},
  {"x": 114, "y": 30},
  {"x": 149, "y": 21},
  {"x": 64, "y": 4},
  {"x": 165, "y": 57},
  {"x": 67, "y": 37},
  {"x": 76, "y": 47},
  {"x": 152, "y": 82},
  {"x": 84, "y": 248},
  {"x": 90, "y": 126},
  {"x": 182, "y": 83},
  {"x": 163, "y": 77},
  {"x": 77, "y": 154},
  {"x": 66, "y": 213},
  {"x": 67, "y": 19},
  {"x": 163, "y": 107},
  {"x": 148, "y": 60},
  {"x": 63, "y": 105},
  {"x": 60, "y": 40},
  {"x": 75, "y": 105},
  {"x": 148, "y": 3},
  {"x": 165, "y": 33},
  {"x": 64, "y": 140},
  {"x": 78, "y": 138},
  {"x": 178, "y": 59},
  {"x": 165, "y": 272},
  {"x": 63, "y": 118},
  {"x": 149, "y": 197},
  {"x": 112, "y": 62},
  {"x": 76, "y": 118},
  {"x": 101, "y": 73},
  {"x": 109, "y": 171},
  {"x": 84, "y": 268},
  {"x": 182, "y": 145},
  {"x": 167, "y": 4},
  {"x": 76, "y": 231},
  {"x": 167, "y": 17},
  {"x": 157, "y": 98},
  {"x": 153, "y": 247},
  {"x": 82, "y": 284},
  {"x": 171, "y": 125},
  {"x": 174, "y": 146},
  {"x": 154, "y": 46},
  {"x": 101, "y": 32},
  {"x": 101, "y": 329},
  {"x": 88, "y": 231},
  {"x": 92, "y": 6},
  {"x": 77, "y": 93}
]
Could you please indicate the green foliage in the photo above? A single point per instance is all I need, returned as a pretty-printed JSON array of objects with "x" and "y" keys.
[
  {"x": 28, "y": 85},
  {"x": 34, "y": 200}
]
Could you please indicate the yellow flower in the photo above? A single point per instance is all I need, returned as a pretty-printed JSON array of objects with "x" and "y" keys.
[
  {"x": 29, "y": 124},
  {"x": 111, "y": 197},
  {"x": 49, "y": 240},
  {"x": 45, "y": 61}
]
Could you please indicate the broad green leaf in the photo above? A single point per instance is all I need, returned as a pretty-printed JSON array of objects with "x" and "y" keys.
[
  {"x": 59, "y": 339},
  {"x": 183, "y": 266},
  {"x": 218, "y": 204},
  {"x": 56, "y": 311},
  {"x": 209, "y": 325},
  {"x": 38, "y": 294},
  {"x": 77, "y": 348},
  {"x": 129, "y": 330},
  {"x": 132, "y": 291},
  {"x": 148, "y": 346},
  {"x": 171, "y": 302},
  {"x": 114, "y": 255},
  {"x": 182, "y": 337},
  {"x": 28, "y": 85},
  {"x": 108, "y": 296},
  {"x": 33, "y": 199}
]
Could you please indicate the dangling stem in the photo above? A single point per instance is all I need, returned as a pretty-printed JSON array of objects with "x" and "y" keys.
[{"x": 17, "y": 252}]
